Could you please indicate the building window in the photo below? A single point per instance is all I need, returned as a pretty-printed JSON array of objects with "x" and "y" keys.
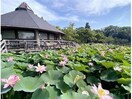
[
  {"x": 26, "y": 35},
  {"x": 8, "y": 34},
  {"x": 43, "y": 36},
  {"x": 51, "y": 37}
]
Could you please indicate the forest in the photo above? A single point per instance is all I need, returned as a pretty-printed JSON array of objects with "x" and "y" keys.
[{"x": 110, "y": 34}]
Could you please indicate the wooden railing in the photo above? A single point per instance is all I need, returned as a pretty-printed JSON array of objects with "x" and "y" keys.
[{"x": 33, "y": 45}]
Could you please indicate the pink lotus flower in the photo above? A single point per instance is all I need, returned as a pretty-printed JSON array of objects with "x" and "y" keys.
[
  {"x": 40, "y": 68},
  {"x": 84, "y": 77},
  {"x": 46, "y": 56},
  {"x": 65, "y": 59},
  {"x": 117, "y": 68},
  {"x": 10, "y": 59},
  {"x": 85, "y": 93},
  {"x": 62, "y": 55},
  {"x": 42, "y": 87},
  {"x": 30, "y": 65},
  {"x": 102, "y": 94},
  {"x": 62, "y": 63},
  {"x": 90, "y": 64},
  {"x": 102, "y": 53},
  {"x": 110, "y": 50},
  {"x": 11, "y": 81}
]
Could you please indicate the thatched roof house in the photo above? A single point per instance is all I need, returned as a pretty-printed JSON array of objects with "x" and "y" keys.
[{"x": 25, "y": 25}]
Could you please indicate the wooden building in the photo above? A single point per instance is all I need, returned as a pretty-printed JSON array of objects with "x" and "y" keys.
[
  {"x": 23, "y": 24},
  {"x": 23, "y": 30}
]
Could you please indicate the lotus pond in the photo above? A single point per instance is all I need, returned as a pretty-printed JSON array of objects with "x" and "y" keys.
[{"x": 94, "y": 71}]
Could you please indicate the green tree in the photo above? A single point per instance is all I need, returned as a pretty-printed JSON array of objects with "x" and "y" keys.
[
  {"x": 100, "y": 37},
  {"x": 70, "y": 33},
  {"x": 110, "y": 34},
  {"x": 109, "y": 40},
  {"x": 58, "y": 28},
  {"x": 120, "y": 34},
  {"x": 85, "y": 35},
  {"x": 87, "y": 25}
]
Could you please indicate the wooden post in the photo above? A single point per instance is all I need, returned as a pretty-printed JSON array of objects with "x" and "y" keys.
[
  {"x": 60, "y": 37},
  {"x": 48, "y": 36},
  {"x": 37, "y": 37},
  {"x": 16, "y": 34},
  {"x": 0, "y": 36}
]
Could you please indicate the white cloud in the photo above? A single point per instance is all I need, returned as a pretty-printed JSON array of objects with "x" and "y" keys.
[
  {"x": 90, "y": 21},
  {"x": 99, "y": 7},
  {"x": 89, "y": 7},
  {"x": 70, "y": 18},
  {"x": 74, "y": 9},
  {"x": 39, "y": 9},
  {"x": 58, "y": 4}
]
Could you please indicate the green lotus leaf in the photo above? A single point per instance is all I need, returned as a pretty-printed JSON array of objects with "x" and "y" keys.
[
  {"x": 20, "y": 58},
  {"x": 108, "y": 64},
  {"x": 81, "y": 83},
  {"x": 21, "y": 65},
  {"x": 96, "y": 58},
  {"x": 126, "y": 70},
  {"x": 92, "y": 80},
  {"x": 36, "y": 58},
  {"x": 28, "y": 84},
  {"x": 46, "y": 93},
  {"x": 63, "y": 69},
  {"x": 74, "y": 95},
  {"x": 5, "y": 90},
  {"x": 73, "y": 77},
  {"x": 126, "y": 63},
  {"x": 116, "y": 96},
  {"x": 40, "y": 94},
  {"x": 6, "y": 72},
  {"x": 80, "y": 67},
  {"x": 62, "y": 86},
  {"x": 109, "y": 75},
  {"x": 88, "y": 90},
  {"x": 3, "y": 64},
  {"x": 52, "y": 77},
  {"x": 47, "y": 62},
  {"x": 82, "y": 59},
  {"x": 68, "y": 82},
  {"x": 128, "y": 87},
  {"x": 124, "y": 80},
  {"x": 119, "y": 56},
  {"x": 7, "y": 64}
]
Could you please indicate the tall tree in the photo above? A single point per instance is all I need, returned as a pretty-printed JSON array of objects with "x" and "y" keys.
[
  {"x": 87, "y": 25},
  {"x": 85, "y": 35},
  {"x": 70, "y": 33}
]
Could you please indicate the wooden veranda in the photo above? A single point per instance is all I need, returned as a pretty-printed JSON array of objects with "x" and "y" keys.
[{"x": 32, "y": 45}]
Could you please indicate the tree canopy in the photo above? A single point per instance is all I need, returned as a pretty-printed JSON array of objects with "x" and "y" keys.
[{"x": 110, "y": 34}]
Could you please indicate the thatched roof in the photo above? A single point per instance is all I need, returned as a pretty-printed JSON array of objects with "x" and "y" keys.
[{"x": 24, "y": 17}]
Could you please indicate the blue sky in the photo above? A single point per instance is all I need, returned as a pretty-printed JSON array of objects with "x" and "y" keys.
[{"x": 99, "y": 13}]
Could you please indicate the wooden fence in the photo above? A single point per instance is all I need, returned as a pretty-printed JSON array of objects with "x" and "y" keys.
[{"x": 32, "y": 45}]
